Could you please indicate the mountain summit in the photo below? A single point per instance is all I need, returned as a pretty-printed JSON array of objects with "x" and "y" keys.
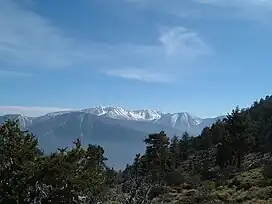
[{"x": 121, "y": 113}]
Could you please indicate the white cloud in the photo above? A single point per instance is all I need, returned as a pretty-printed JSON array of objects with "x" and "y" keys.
[
  {"x": 142, "y": 75},
  {"x": 178, "y": 40},
  {"x": 30, "y": 111}
]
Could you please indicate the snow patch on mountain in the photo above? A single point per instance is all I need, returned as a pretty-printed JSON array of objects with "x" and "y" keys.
[
  {"x": 125, "y": 114},
  {"x": 175, "y": 120},
  {"x": 179, "y": 120},
  {"x": 54, "y": 114}
]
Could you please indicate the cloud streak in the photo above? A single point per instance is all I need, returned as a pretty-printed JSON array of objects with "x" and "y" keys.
[{"x": 142, "y": 75}]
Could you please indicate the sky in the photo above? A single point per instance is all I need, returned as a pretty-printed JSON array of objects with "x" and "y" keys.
[{"x": 204, "y": 57}]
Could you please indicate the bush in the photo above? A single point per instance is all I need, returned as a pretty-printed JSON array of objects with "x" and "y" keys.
[
  {"x": 209, "y": 185},
  {"x": 175, "y": 178},
  {"x": 267, "y": 170},
  {"x": 235, "y": 182}
]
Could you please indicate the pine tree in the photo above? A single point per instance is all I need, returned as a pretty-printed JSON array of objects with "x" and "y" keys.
[
  {"x": 218, "y": 132},
  {"x": 206, "y": 135},
  {"x": 175, "y": 151},
  {"x": 157, "y": 155},
  {"x": 18, "y": 153},
  {"x": 237, "y": 127},
  {"x": 185, "y": 145}
]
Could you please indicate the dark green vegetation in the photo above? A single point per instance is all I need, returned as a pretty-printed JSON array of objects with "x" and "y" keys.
[{"x": 228, "y": 162}]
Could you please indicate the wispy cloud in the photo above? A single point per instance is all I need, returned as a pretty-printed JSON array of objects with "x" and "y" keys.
[
  {"x": 28, "y": 40},
  {"x": 31, "y": 111},
  {"x": 179, "y": 40},
  {"x": 142, "y": 75},
  {"x": 250, "y": 9},
  {"x": 240, "y": 3},
  {"x": 177, "y": 8},
  {"x": 210, "y": 9},
  {"x": 163, "y": 61},
  {"x": 9, "y": 73}
]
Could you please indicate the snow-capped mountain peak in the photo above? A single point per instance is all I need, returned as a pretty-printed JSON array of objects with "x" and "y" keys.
[
  {"x": 148, "y": 114},
  {"x": 190, "y": 118},
  {"x": 121, "y": 113},
  {"x": 175, "y": 120}
]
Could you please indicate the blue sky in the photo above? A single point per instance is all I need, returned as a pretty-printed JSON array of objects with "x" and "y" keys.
[{"x": 200, "y": 56}]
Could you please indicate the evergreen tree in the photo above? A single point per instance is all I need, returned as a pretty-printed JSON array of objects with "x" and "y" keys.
[
  {"x": 185, "y": 136},
  {"x": 66, "y": 176},
  {"x": 218, "y": 132},
  {"x": 185, "y": 145},
  {"x": 237, "y": 127},
  {"x": 157, "y": 155},
  {"x": 18, "y": 154},
  {"x": 206, "y": 135},
  {"x": 175, "y": 151}
]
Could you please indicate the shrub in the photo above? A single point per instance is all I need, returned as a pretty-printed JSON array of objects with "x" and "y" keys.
[{"x": 267, "y": 170}]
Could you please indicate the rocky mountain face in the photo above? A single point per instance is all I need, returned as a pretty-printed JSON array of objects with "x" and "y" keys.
[{"x": 121, "y": 132}]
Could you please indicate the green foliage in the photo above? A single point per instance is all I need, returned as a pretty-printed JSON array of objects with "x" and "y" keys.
[
  {"x": 66, "y": 176},
  {"x": 157, "y": 155}
]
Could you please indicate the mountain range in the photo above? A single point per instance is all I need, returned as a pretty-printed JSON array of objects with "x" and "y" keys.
[{"x": 120, "y": 131}]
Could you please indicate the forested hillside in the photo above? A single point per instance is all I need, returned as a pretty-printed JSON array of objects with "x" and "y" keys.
[{"x": 228, "y": 162}]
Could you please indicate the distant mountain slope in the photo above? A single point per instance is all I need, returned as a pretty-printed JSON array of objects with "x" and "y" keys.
[
  {"x": 121, "y": 132},
  {"x": 182, "y": 121}
]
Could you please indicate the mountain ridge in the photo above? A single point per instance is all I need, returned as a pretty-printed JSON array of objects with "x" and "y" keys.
[
  {"x": 121, "y": 132},
  {"x": 154, "y": 116},
  {"x": 173, "y": 122}
]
